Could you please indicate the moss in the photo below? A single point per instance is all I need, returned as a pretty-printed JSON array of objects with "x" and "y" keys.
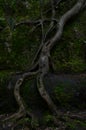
[
  {"x": 70, "y": 93},
  {"x": 7, "y": 101},
  {"x": 75, "y": 65},
  {"x": 22, "y": 44},
  {"x": 63, "y": 93},
  {"x": 69, "y": 54},
  {"x": 47, "y": 119},
  {"x": 4, "y": 74},
  {"x": 75, "y": 125},
  {"x": 24, "y": 120},
  {"x": 26, "y": 89},
  {"x": 34, "y": 123}
]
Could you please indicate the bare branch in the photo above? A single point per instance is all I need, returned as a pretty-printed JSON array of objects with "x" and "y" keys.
[
  {"x": 55, "y": 6},
  {"x": 77, "y": 7},
  {"x": 42, "y": 26},
  {"x": 27, "y": 22},
  {"x": 52, "y": 22},
  {"x": 7, "y": 46}
]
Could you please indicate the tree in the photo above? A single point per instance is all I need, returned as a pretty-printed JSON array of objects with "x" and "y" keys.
[{"x": 42, "y": 62}]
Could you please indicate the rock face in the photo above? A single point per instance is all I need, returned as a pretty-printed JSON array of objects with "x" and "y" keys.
[{"x": 66, "y": 91}]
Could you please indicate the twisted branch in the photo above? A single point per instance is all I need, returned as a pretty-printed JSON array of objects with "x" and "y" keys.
[{"x": 73, "y": 11}]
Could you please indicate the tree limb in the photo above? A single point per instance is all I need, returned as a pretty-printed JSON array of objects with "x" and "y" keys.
[{"x": 73, "y": 11}]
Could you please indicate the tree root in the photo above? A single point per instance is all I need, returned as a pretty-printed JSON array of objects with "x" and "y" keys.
[
  {"x": 58, "y": 117},
  {"x": 22, "y": 112},
  {"x": 45, "y": 95},
  {"x": 78, "y": 116},
  {"x": 48, "y": 100}
]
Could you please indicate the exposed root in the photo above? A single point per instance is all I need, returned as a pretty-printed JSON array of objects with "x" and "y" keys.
[
  {"x": 78, "y": 116},
  {"x": 22, "y": 112},
  {"x": 15, "y": 116},
  {"x": 48, "y": 100},
  {"x": 45, "y": 95}
]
